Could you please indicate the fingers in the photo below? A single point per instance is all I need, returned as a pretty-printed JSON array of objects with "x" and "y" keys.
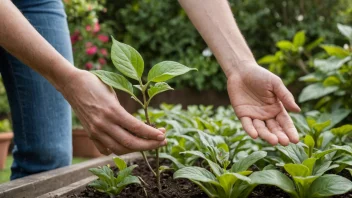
[
  {"x": 127, "y": 121},
  {"x": 261, "y": 112},
  {"x": 275, "y": 128},
  {"x": 287, "y": 125},
  {"x": 285, "y": 96},
  {"x": 133, "y": 142},
  {"x": 248, "y": 127},
  {"x": 107, "y": 144},
  {"x": 264, "y": 133},
  {"x": 102, "y": 149}
]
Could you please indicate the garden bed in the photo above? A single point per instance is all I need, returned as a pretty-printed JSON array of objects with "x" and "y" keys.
[{"x": 48, "y": 183}]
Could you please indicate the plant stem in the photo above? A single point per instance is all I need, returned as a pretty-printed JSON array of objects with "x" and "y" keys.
[
  {"x": 146, "y": 161},
  {"x": 149, "y": 123}
]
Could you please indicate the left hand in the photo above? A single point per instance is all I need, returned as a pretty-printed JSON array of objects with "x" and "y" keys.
[{"x": 258, "y": 98}]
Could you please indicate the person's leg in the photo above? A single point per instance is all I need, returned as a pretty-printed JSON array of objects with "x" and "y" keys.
[{"x": 41, "y": 116}]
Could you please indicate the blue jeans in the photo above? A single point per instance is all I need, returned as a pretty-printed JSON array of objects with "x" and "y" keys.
[{"x": 41, "y": 116}]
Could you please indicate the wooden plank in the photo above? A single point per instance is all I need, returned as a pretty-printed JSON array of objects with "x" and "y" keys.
[{"x": 42, "y": 183}]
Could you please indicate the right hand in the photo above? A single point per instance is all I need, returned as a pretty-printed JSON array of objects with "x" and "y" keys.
[{"x": 108, "y": 124}]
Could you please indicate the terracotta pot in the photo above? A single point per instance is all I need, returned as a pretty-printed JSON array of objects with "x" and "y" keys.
[
  {"x": 5, "y": 140},
  {"x": 82, "y": 145}
]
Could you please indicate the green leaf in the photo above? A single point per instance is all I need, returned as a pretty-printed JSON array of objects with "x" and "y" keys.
[
  {"x": 105, "y": 174},
  {"x": 309, "y": 163},
  {"x": 331, "y": 81},
  {"x": 336, "y": 116},
  {"x": 314, "y": 44},
  {"x": 334, "y": 50},
  {"x": 344, "y": 148},
  {"x": 275, "y": 178},
  {"x": 120, "y": 163},
  {"x": 166, "y": 70},
  {"x": 319, "y": 127},
  {"x": 158, "y": 88},
  {"x": 244, "y": 163},
  {"x": 138, "y": 87},
  {"x": 345, "y": 30},
  {"x": 127, "y": 60},
  {"x": 350, "y": 170},
  {"x": 309, "y": 141},
  {"x": 315, "y": 91},
  {"x": 284, "y": 45},
  {"x": 343, "y": 130},
  {"x": 312, "y": 77},
  {"x": 329, "y": 185},
  {"x": 297, "y": 170},
  {"x": 299, "y": 39},
  {"x": 227, "y": 180},
  {"x": 99, "y": 185},
  {"x": 268, "y": 59},
  {"x": 217, "y": 170},
  {"x": 330, "y": 64},
  {"x": 124, "y": 173},
  {"x": 115, "y": 80},
  {"x": 171, "y": 158},
  {"x": 300, "y": 122},
  {"x": 197, "y": 174},
  {"x": 128, "y": 180},
  {"x": 295, "y": 152}
]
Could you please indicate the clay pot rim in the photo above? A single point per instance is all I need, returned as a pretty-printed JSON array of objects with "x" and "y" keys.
[{"x": 6, "y": 135}]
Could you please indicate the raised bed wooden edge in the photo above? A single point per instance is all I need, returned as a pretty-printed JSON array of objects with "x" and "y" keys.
[{"x": 57, "y": 182}]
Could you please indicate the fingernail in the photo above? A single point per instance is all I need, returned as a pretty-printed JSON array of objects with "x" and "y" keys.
[
  {"x": 160, "y": 137},
  {"x": 164, "y": 143}
]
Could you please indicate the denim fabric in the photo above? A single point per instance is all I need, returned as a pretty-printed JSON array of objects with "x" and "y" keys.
[{"x": 40, "y": 114}]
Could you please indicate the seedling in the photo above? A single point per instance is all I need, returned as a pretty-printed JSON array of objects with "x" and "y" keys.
[
  {"x": 110, "y": 184},
  {"x": 130, "y": 63}
]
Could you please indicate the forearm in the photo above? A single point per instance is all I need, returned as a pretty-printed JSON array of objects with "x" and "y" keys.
[
  {"x": 20, "y": 39},
  {"x": 217, "y": 26}
]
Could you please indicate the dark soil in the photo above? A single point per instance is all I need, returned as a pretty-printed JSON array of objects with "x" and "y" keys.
[
  {"x": 181, "y": 188},
  {"x": 171, "y": 188}
]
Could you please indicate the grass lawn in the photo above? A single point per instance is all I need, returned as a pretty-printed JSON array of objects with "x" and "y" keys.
[{"x": 5, "y": 173}]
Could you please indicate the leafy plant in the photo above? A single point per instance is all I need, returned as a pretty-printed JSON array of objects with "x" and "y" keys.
[
  {"x": 111, "y": 184},
  {"x": 130, "y": 63},
  {"x": 330, "y": 83},
  {"x": 5, "y": 126},
  {"x": 307, "y": 169},
  {"x": 221, "y": 182}
]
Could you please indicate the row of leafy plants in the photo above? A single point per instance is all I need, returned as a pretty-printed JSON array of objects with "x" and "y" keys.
[{"x": 210, "y": 148}]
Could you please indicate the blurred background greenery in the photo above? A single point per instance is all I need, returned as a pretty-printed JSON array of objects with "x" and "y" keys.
[{"x": 295, "y": 39}]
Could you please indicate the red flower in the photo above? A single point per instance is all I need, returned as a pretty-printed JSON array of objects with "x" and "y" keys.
[
  {"x": 89, "y": 66},
  {"x": 89, "y": 44},
  {"x": 92, "y": 50},
  {"x": 96, "y": 27},
  {"x": 104, "y": 52},
  {"x": 102, "y": 61},
  {"x": 75, "y": 37},
  {"x": 103, "y": 38},
  {"x": 88, "y": 28}
]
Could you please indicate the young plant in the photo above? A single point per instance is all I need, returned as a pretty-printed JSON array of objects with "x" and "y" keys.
[
  {"x": 130, "y": 63},
  {"x": 110, "y": 184},
  {"x": 220, "y": 182},
  {"x": 307, "y": 170}
]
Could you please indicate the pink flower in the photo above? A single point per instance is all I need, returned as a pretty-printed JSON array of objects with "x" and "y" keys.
[
  {"x": 104, "y": 52},
  {"x": 92, "y": 50},
  {"x": 88, "y": 28},
  {"x": 96, "y": 27},
  {"x": 102, "y": 61},
  {"x": 89, "y": 66},
  {"x": 75, "y": 37},
  {"x": 89, "y": 44},
  {"x": 103, "y": 38}
]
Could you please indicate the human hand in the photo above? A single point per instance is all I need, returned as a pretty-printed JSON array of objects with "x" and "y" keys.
[
  {"x": 258, "y": 98},
  {"x": 108, "y": 124}
]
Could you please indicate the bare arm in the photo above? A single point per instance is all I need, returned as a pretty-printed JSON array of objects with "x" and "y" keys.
[
  {"x": 20, "y": 38},
  {"x": 257, "y": 96},
  {"x": 215, "y": 22},
  {"x": 95, "y": 104}
]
